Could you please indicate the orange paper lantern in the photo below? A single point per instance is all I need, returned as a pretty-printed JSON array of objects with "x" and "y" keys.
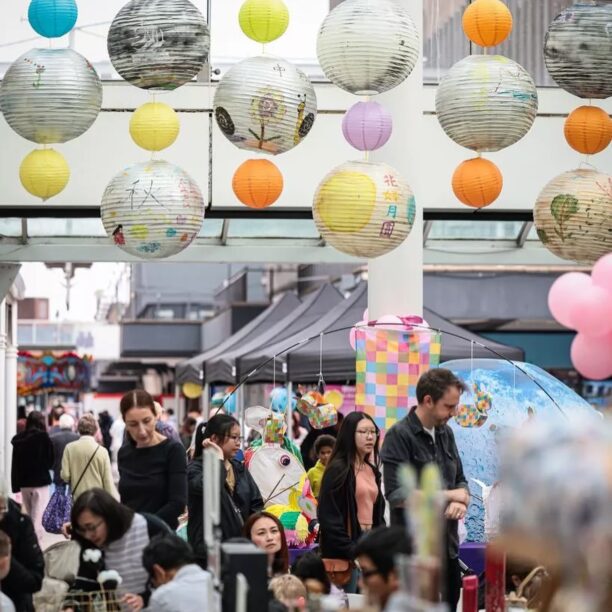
[
  {"x": 477, "y": 182},
  {"x": 588, "y": 129},
  {"x": 257, "y": 183},
  {"x": 487, "y": 22}
]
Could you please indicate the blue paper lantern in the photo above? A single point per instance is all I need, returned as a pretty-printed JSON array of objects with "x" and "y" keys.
[{"x": 52, "y": 18}]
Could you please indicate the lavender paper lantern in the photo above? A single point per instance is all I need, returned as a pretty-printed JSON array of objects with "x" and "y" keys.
[{"x": 367, "y": 126}]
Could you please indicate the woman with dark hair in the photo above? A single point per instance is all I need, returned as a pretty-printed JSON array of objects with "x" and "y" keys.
[
  {"x": 240, "y": 496},
  {"x": 33, "y": 457},
  {"x": 350, "y": 500},
  {"x": 152, "y": 468},
  {"x": 268, "y": 533}
]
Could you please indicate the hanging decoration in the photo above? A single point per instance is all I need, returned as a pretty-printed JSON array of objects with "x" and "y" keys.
[
  {"x": 44, "y": 173},
  {"x": 264, "y": 20},
  {"x": 487, "y": 23},
  {"x": 477, "y": 182},
  {"x": 367, "y": 126},
  {"x": 52, "y": 18},
  {"x": 588, "y": 129},
  {"x": 44, "y": 372},
  {"x": 257, "y": 183},
  {"x": 154, "y": 126}
]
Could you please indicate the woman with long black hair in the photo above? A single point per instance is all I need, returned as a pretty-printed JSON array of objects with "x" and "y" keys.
[{"x": 350, "y": 500}]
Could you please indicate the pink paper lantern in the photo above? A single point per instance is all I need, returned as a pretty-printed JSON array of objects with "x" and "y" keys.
[
  {"x": 602, "y": 273},
  {"x": 390, "y": 322},
  {"x": 367, "y": 126},
  {"x": 591, "y": 311},
  {"x": 562, "y": 293},
  {"x": 592, "y": 357}
]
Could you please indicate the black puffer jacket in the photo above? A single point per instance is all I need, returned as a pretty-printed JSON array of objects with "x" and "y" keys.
[{"x": 32, "y": 459}]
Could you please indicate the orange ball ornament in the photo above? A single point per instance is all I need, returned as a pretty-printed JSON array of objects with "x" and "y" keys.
[
  {"x": 487, "y": 22},
  {"x": 257, "y": 183},
  {"x": 588, "y": 129},
  {"x": 477, "y": 182}
]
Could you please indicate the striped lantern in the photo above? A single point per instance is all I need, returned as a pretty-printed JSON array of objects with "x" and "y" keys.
[
  {"x": 486, "y": 102},
  {"x": 158, "y": 44},
  {"x": 572, "y": 215},
  {"x": 50, "y": 95},
  {"x": 52, "y": 18},
  {"x": 152, "y": 209},
  {"x": 265, "y": 104},
  {"x": 578, "y": 49},
  {"x": 367, "y": 126},
  {"x": 365, "y": 209},
  {"x": 368, "y": 46}
]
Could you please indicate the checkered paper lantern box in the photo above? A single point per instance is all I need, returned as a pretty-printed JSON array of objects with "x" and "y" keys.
[{"x": 388, "y": 366}]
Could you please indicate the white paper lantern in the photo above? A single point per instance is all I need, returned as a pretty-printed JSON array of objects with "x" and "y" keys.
[
  {"x": 368, "y": 46},
  {"x": 152, "y": 209},
  {"x": 486, "y": 102},
  {"x": 265, "y": 104},
  {"x": 50, "y": 95},
  {"x": 158, "y": 44},
  {"x": 365, "y": 209},
  {"x": 573, "y": 215}
]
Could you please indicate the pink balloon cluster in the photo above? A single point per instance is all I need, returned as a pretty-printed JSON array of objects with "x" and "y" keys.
[
  {"x": 391, "y": 322},
  {"x": 584, "y": 303}
]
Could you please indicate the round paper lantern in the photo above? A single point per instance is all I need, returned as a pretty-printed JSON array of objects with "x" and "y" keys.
[
  {"x": 154, "y": 126},
  {"x": 50, "y": 95},
  {"x": 487, "y": 22},
  {"x": 44, "y": 173},
  {"x": 477, "y": 182},
  {"x": 367, "y": 126},
  {"x": 365, "y": 209},
  {"x": 367, "y": 47},
  {"x": 192, "y": 390},
  {"x": 578, "y": 49},
  {"x": 257, "y": 183},
  {"x": 572, "y": 215},
  {"x": 152, "y": 209},
  {"x": 264, "y": 20},
  {"x": 588, "y": 129},
  {"x": 265, "y": 104},
  {"x": 486, "y": 102},
  {"x": 158, "y": 44},
  {"x": 52, "y": 18}
]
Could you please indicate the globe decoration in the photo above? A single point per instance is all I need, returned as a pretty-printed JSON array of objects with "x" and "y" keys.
[
  {"x": 365, "y": 209},
  {"x": 477, "y": 182},
  {"x": 263, "y": 20},
  {"x": 44, "y": 173},
  {"x": 487, "y": 22},
  {"x": 578, "y": 49},
  {"x": 265, "y": 104},
  {"x": 152, "y": 209},
  {"x": 50, "y": 95},
  {"x": 588, "y": 129},
  {"x": 515, "y": 402},
  {"x": 367, "y": 126},
  {"x": 154, "y": 126},
  {"x": 486, "y": 102},
  {"x": 572, "y": 215},
  {"x": 158, "y": 44},
  {"x": 52, "y": 18},
  {"x": 257, "y": 183},
  {"x": 367, "y": 47}
]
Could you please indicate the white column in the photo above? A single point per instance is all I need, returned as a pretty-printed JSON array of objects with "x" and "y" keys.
[
  {"x": 10, "y": 402},
  {"x": 395, "y": 280},
  {"x": 5, "y": 440}
]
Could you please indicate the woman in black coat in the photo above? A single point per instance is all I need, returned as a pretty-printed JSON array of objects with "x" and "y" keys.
[{"x": 350, "y": 499}]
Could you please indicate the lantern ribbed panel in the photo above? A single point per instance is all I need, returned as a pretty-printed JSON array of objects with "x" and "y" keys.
[
  {"x": 365, "y": 209},
  {"x": 486, "y": 102},
  {"x": 152, "y": 210},
  {"x": 154, "y": 126},
  {"x": 52, "y": 18},
  {"x": 50, "y": 95},
  {"x": 257, "y": 183},
  {"x": 368, "y": 46},
  {"x": 44, "y": 173},
  {"x": 263, "y": 20},
  {"x": 588, "y": 129},
  {"x": 158, "y": 44},
  {"x": 367, "y": 126},
  {"x": 573, "y": 215},
  {"x": 578, "y": 50},
  {"x": 265, "y": 104}
]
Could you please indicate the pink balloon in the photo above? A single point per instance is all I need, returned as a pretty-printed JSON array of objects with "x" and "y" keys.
[
  {"x": 602, "y": 273},
  {"x": 592, "y": 357},
  {"x": 562, "y": 293},
  {"x": 591, "y": 311}
]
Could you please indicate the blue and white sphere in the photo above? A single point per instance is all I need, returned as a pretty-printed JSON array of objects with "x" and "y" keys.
[{"x": 52, "y": 18}]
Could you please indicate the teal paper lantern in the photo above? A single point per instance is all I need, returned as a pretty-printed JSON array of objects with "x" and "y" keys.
[{"x": 52, "y": 18}]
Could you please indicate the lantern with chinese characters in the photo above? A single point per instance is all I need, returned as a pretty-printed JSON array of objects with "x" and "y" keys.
[
  {"x": 588, "y": 129},
  {"x": 52, "y": 18},
  {"x": 367, "y": 47},
  {"x": 263, "y": 20},
  {"x": 265, "y": 104},
  {"x": 152, "y": 209},
  {"x": 367, "y": 126},
  {"x": 154, "y": 126},
  {"x": 257, "y": 183},
  {"x": 365, "y": 209}
]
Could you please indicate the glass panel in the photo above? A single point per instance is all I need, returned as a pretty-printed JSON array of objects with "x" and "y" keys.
[
  {"x": 211, "y": 228},
  {"x": 65, "y": 227},
  {"x": 272, "y": 228},
  {"x": 475, "y": 230},
  {"x": 25, "y": 334},
  {"x": 10, "y": 228}
]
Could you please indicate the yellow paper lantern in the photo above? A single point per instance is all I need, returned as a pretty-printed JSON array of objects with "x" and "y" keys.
[
  {"x": 44, "y": 173},
  {"x": 192, "y": 390},
  {"x": 154, "y": 126},
  {"x": 264, "y": 20}
]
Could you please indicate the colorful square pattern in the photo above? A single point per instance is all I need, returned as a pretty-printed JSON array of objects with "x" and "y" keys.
[{"x": 388, "y": 366}]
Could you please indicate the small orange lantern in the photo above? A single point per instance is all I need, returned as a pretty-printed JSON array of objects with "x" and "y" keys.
[
  {"x": 487, "y": 22},
  {"x": 257, "y": 183},
  {"x": 477, "y": 182},
  {"x": 588, "y": 129}
]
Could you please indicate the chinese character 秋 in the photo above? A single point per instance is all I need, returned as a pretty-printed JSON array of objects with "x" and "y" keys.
[{"x": 386, "y": 229}]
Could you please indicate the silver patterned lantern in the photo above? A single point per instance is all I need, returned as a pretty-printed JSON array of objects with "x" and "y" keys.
[
  {"x": 50, "y": 95},
  {"x": 152, "y": 209},
  {"x": 265, "y": 104},
  {"x": 486, "y": 102},
  {"x": 367, "y": 47},
  {"x": 158, "y": 44},
  {"x": 578, "y": 49}
]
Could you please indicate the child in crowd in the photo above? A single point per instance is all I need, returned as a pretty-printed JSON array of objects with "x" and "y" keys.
[
  {"x": 324, "y": 445},
  {"x": 289, "y": 590}
]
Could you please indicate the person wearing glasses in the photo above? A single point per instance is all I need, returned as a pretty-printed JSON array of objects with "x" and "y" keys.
[{"x": 350, "y": 500}]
